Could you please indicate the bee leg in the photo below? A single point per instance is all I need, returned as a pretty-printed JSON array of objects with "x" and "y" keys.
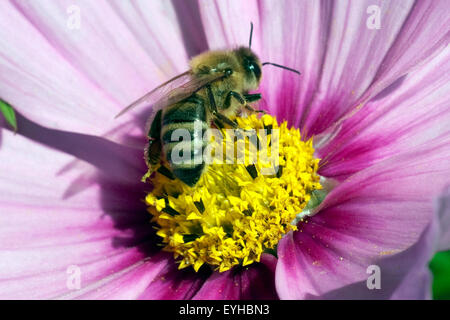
[
  {"x": 252, "y": 98},
  {"x": 213, "y": 109},
  {"x": 224, "y": 119},
  {"x": 153, "y": 150},
  {"x": 219, "y": 126},
  {"x": 248, "y": 107},
  {"x": 233, "y": 94}
]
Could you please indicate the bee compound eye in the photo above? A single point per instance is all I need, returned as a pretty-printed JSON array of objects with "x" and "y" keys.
[{"x": 256, "y": 70}]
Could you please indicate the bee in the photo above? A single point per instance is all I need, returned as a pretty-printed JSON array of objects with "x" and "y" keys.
[{"x": 213, "y": 91}]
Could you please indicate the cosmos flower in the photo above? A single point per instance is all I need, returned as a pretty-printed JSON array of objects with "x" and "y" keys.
[{"x": 373, "y": 97}]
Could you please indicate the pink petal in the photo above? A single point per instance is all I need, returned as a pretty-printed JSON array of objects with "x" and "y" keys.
[
  {"x": 83, "y": 77},
  {"x": 194, "y": 38},
  {"x": 424, "y": 34},
  {"x": 58, "y": 212},
  {"x": 102, "y": 229},
  {"x": 125, "y": 284},
  {"x": 342, "y": 61},
  {"x": 395, "y": 283},
  {"x": 174, "y": 284},
  {"x": 293, "y": 34},
  {"x": 227, "y": 24},
  {"x": 253, "y": 282},
  {"x": 274, "y": 39},
  {"x": 443, "y": 211},
  {"x": 413, "y": 114},
  {"x": 360, "y": 62},
  {"x": 416, "y": 284},
  {"x": 378, "y": 212}
]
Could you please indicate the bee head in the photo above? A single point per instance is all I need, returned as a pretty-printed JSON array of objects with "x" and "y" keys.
[{"x": 251, "y": 66}]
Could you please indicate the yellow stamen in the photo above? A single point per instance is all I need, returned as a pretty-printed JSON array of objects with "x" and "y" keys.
[{"x": 235, "y": 213}]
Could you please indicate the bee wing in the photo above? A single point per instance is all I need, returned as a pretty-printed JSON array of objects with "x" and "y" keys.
[
  {"x": 158, "y": 92},
  {"x": 173, "y": 91}
]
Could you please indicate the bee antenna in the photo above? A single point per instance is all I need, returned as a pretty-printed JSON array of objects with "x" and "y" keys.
[
  {"x": 282, "y": 67},
  {"x": 251, "y": 35}
]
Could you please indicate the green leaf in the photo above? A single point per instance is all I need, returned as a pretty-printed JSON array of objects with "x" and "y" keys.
[
  {"x": 440, "y": 267},
  {"x": 9, "y": 114}
]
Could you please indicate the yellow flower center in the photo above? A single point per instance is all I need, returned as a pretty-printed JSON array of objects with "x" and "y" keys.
[{"x": 237, "y": 210}]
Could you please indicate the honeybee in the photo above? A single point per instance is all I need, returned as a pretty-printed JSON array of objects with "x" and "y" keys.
[{"x": 214, "y": 89}]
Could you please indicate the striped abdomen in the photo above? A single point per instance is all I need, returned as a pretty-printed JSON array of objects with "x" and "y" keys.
[{"x": 183, "y": 126}]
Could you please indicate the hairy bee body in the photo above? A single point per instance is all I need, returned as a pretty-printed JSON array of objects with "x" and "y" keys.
[
  {"x": 191, "y": 116},
  {"x": 211, "y": 104},
  {"x": 240, "y": 79},
  {"x": 212, "y": 91}
]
